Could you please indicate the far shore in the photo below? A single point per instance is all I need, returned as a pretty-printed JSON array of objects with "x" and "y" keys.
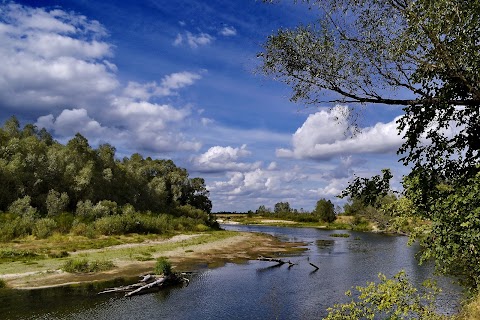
[{"x": 187, "y": 252}]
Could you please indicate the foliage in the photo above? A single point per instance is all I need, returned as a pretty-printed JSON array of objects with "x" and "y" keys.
[
  {"x": 41, "y": 178},
  {"x": 454, "y": 238},
  {"x": 325, "y": 211},
  {"x": 282, "y": 207},
  {"x": 7, "y": 255},
  {"x": 163, "y": 266},
  {"x": 394, "y": 298},
  {"x": 56, "y": 202},
  {"x": 420, "y": 54},
  {"x": 22, "y": 208},
  {"x": 369, "y": 190},
  {"x": 44, "y": 228},
  {"x": 50, "y": 177},
  {"x": 82, "y": 265},
  {"x": 340, "y": 235},
  {"x": 3, "y": 284}
]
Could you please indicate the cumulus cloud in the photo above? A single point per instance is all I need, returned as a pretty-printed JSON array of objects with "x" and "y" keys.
[
  {"x": 325, "y": 135},
  {"x": 219, "y": 159},
  {"x": 193, "y": 40},
  {"x": 169, "y": 85},
  {"x": 71, "y": 121},
  {"x": 228, "y": 31},
  {"x": 57, "y": 65},
  {"x": 51, "y": 58}
]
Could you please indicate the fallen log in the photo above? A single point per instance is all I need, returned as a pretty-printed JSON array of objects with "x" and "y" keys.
[
  {"x": 148, "y": 283},
  {"x": 279, "y": 261}
]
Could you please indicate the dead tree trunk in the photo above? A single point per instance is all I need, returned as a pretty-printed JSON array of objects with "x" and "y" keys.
[{"x": 147, "y": 284}]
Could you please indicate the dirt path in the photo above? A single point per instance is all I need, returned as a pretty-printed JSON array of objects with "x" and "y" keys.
[{"x": 186, "y": 252}]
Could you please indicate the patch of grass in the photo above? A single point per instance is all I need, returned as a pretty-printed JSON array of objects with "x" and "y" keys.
[
  {"x": 84, "y": 266},
  {"x": 340, "y": 235},
  {"x": 189, "y": 250},
  {"x": 10, "y": 255},
  {"x": 58, "y": 254},
  {"x": 144, "y": 256},
  {"x": 163, "y": 266},
  {"x": 3, "y": 284}
]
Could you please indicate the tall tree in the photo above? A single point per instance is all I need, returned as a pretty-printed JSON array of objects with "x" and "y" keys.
[
  {"x": 421, "y": 54},
  {"x": 325, "y": 211}
]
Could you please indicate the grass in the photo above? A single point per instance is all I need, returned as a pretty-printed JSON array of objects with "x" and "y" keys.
[
  {"x": 82, "y": 265},
  {"x": 10, "y": 255},
  {"x": 163, "y": 266},
  {"x": 3, "y": 284},
  {"x": 340, "y": 235},
  {"x": 140, "y": 253}
]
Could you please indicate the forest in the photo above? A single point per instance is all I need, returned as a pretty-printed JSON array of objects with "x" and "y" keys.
[{"x": 49, "y": 187}]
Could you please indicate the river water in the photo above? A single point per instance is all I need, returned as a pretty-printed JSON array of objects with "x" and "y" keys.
[{"x": 254, "y": 290}]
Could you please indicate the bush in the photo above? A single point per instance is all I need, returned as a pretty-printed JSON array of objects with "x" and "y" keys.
[
  {"x": 84, "y": 266},
  {"x": 56, "y": 202},
  {"x": 64, "y": 222},
  {"x": 163, "y": 266},
  {"x": 22, "y": 207},
  {"x": 393, "y": 298},
  {"x": 3, "y": 284},
  {"x": 16, "y": 228},
  {"x": 44, "y": 228}
]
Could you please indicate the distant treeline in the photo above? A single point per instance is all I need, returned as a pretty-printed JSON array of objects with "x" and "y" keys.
[{"x": 44, "y": 178}]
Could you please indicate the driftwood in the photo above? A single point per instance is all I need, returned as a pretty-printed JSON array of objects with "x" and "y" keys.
[
  {"x": 279, "y": 261},
  {"x": 148, "y": 283},
  {"x": 316, "y": 268}
]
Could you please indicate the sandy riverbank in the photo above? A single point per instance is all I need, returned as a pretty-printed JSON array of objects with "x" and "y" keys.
[{"x": 186, "y": 252}]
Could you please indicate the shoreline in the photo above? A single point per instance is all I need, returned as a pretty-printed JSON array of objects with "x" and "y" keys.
[{"x": 186, "y": 252}]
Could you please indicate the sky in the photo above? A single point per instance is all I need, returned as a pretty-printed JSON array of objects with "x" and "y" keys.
[{"x": 179, "y": 80}]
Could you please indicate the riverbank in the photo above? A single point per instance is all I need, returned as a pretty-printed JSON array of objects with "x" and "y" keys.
[{"x": 186, "y": 252}]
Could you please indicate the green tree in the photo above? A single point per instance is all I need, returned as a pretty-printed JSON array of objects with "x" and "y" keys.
[
  {"x": 56, "y": 202},
  {"x": 325, "y": 210},
  {"x": 381, "y": 51},
  {"x": 282, "y": 207},
  {"x": 369, "y": 191},
  {"x": 419, "y": 54}
]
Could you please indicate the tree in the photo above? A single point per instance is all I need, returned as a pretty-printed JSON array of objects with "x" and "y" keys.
[
  {"x": 369, "y": 191},
  {"x": 325, "y": 211},
  {"x": 282, "y": 207},
  {"x": 56, "y": 202},
  {"x": 419, "y": 54}
]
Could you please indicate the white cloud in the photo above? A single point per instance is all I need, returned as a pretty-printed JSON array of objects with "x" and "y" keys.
[
  {"x": 71, "y": 121},
  {"x": 325, "y": 135},
  {"x": 228, "y": 31},
  {"x": 193, "y": 40},
  {"x": 55, "y": 63},
  {"x": 218, "y": 159},
  {"x": 52, "y": 59}
]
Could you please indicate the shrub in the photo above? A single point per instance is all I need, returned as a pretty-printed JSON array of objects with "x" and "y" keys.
[
  {"x": 3, "y": 284},
  {"x": 56, "y": 202},
  {"x": 44, "y": 228},
  {"x": 163, "y": 266},
  {"x": 85, "y": 210},
  {"x": 393, "y": 298},
  {"x": 64, "y": 222},
  {"x": 84, "y": 266},
  {"x": 16, "y": 228},
  {"x": 22, "y": 207}
]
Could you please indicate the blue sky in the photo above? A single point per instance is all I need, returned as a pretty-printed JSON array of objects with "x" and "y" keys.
[{"x": 177, "y": 80}]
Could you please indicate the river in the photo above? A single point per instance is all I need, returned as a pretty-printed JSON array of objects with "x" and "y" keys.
[{"x": 254, "y": 290}]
